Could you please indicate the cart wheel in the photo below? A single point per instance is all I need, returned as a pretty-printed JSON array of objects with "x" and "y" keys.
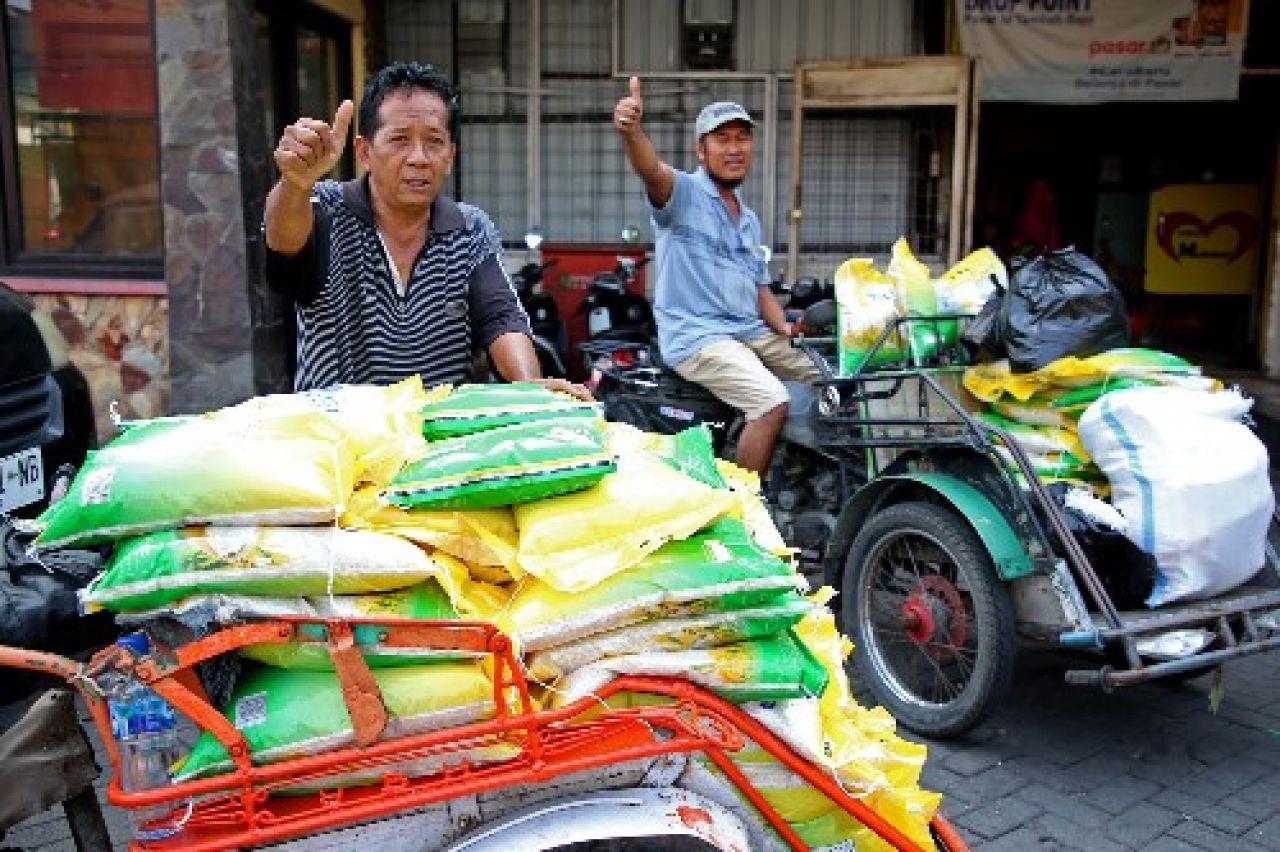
[{"x": 932, "y": 623}]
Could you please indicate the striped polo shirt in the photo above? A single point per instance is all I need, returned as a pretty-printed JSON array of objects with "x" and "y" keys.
[{"x": 356, "y": 327}]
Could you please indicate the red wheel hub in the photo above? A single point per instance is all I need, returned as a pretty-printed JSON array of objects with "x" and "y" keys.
[
  {"x": 934, "y": 615},
  {"x": 917, "y": 618}
]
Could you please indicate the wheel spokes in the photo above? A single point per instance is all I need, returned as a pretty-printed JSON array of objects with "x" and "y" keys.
[{"x": 916, "y": 582}]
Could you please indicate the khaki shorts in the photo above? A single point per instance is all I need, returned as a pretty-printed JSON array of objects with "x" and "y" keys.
[{"x": 748, "y": 374}]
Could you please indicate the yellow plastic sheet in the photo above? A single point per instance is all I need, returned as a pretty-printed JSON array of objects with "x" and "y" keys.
[{"x": 990, "y": 382}]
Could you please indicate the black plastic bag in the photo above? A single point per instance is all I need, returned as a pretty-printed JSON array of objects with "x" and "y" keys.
[
  {"x": 1061, "y": 304},
  {"x": 981, "y": 336},
  {"x": 1124, "y": 570},
  {"x": 39, "y": 607}
]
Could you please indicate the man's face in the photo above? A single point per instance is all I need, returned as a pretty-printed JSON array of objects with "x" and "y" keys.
[
  {"x": 411, "y": 153},
  {"x": 726, "y": 153}
]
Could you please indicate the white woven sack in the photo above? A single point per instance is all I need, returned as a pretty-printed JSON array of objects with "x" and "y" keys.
[{"x": 1191, "y": 481}]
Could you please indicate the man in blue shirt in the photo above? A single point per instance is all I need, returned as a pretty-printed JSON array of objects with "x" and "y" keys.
[{"x": 718, "y": 323}]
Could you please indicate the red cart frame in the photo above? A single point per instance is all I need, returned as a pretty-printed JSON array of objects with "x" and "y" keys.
[{"x": 237, "y": 809}]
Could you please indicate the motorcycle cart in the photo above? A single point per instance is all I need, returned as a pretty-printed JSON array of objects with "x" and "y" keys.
[
  {"x": 950, "y": 550},
  {"x": 583, "y": 772}
]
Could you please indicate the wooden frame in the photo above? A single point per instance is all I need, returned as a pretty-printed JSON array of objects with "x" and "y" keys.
[{"x": 912, "y": 81}]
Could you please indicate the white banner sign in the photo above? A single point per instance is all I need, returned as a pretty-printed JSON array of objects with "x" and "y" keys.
[{"x": 1088, "y": 51}]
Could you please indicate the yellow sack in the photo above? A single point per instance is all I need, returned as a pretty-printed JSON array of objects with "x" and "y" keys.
[
  {"x": 425, "y": 601},
  {"x": 917, "y": 298},
  {"x": 383, "y": 423},
  {"x": 1039, "y": 440},
  {"x": 861, "y": 745},
  {"x": 1034, "y": 413},
  {"x": 287, "y": 714},
  {"x": 966, "y": 287},
  {"x": 154, "y": 569},
  {"x": 281, "y": 469},
  {"x": 989, "y": 382},
  {"x": 866, "y": 304},
  {"x": 483, "y": 538},
  {"x": 573, "y": 541},
  {"x": 475, "y": 600},
  {"x": 854, "y": 736}
]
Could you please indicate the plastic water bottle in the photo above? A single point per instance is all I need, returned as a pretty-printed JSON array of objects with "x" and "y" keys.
[{"x": 145, "y": 729}]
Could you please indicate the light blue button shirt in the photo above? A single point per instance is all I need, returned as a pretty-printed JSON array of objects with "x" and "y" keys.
[{"x": 708, "y": 269}]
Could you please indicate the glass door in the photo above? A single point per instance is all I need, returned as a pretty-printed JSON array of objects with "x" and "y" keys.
[{"x": 307, "y": 55}]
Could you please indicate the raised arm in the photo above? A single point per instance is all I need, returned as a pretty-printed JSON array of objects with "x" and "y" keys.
[
  {"x": 658, "y": 178},
  {"x": 307, "y": 150}
]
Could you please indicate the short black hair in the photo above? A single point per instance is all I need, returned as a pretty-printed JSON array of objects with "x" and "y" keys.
[{"x": 405, "y": 77}]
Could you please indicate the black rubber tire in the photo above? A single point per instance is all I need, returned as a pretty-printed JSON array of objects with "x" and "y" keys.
[{"x": 951, "y": 550}]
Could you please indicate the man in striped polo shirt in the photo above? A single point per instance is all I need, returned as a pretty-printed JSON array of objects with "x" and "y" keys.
[
  {"x": 390, "y": 277},
  {"x": 718, "y": 323}
]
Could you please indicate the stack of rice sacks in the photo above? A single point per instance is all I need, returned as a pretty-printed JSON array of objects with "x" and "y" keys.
[
  {"x": 1040, "y": 410},
  {"x": 869, "y": 302},
  {"x": 601, "y": 550}
]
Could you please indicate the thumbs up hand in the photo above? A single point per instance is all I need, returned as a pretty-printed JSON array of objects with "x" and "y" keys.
[
  {"x": 626, "y": 115},
  {"x": 309, "y": 148}
]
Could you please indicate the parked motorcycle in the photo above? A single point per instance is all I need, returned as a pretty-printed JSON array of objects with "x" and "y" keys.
[
  {"x": 549, "y": 338},
  {"x": 613, "y": 311}
]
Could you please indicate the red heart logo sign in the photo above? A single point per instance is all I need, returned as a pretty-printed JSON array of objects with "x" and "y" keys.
[{"x": 1244, "y": 224}]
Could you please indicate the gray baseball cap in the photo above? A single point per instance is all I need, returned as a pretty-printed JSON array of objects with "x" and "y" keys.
[{"x": 718, "y": 113}]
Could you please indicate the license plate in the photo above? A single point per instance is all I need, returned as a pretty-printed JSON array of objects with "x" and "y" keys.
[{"x": 21, "y": 480}]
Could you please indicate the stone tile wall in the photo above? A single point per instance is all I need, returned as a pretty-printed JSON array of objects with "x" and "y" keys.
[
  {"x": 212, "y": 196},
  {"x": 121, "y": 344}
]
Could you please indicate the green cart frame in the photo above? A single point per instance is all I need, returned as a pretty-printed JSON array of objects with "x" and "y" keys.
[{"x": 950, "y": 553}]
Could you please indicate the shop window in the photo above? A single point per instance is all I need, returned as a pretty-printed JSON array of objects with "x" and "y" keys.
[{"x": 80, "y": 152}]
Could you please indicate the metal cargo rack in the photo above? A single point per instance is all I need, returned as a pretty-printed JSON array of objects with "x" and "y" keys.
[
  {"x": 912, "y": 413},
  {"x": 241, "y": 808}
]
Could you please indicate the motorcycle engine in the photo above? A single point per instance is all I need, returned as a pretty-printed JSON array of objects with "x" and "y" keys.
[{"x": 804, "y": 504}]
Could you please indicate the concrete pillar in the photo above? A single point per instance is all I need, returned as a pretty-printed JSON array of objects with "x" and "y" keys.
[{"x": 212, "y": 196}]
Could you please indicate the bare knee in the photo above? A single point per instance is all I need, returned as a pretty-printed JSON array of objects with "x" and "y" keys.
[{"x": 776, "y": 414}]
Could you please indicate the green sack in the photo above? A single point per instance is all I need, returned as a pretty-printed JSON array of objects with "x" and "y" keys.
[
  {"x": 1040, "y": 440},
  {"x": 476, "y": 408},
  {"x": 1054, "y": 467},
  {"x": 425, "y": 601},
  {"x": 226, "y": 469},
  {"x": 866, "y": 313},
  {"x": 720, "y": 569},
  {"x": 1037, "y": 411},
  {"x": 154, "y": 569},
  {"x": 766, "y": 669},
  {"x": 1077, "y": 400},
  {"x": 691, "y": 453},
  {"x": 287, "y": 714},
  {"x": 918, "y": 299},
  {"x": 505, "y": 466},
  {"x": 672, "y": 634}
]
